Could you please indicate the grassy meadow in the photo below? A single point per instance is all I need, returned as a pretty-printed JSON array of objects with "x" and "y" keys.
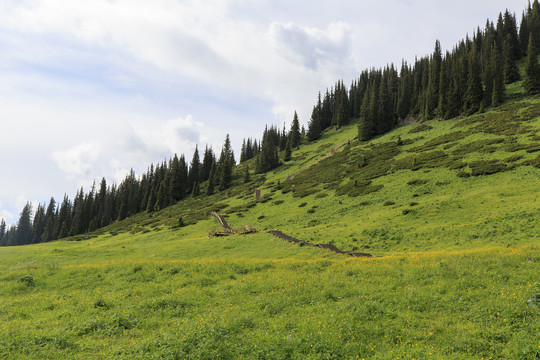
[{"x": 449, "y": 209}]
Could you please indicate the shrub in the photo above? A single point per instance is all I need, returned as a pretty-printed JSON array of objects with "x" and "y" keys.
[
  {"x": 420, "y": 128},
  {"x": 417, "y": 182},
  {"x": 101, "y": 304},
  {"x": 389, "y": 203},
  {"x": 487, "y": 167},
  {"x": 27, "y": 280},
  {"x": 302, "y": 204}
]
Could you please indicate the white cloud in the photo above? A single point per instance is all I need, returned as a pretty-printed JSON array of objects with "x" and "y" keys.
[
  {"x": 78, "y": 161},
  {"x": 135, "y": 148},
  {"x": 312, "y": 47},
  {"x": 6, "y": 215}
]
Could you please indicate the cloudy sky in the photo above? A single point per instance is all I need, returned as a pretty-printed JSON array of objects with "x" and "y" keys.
[{"x": 93, "y": 88}]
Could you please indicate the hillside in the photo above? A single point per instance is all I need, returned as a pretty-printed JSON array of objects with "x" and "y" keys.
[{"x": 449, "y": 209}]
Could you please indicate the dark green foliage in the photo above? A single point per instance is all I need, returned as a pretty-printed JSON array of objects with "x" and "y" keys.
[
  {"x": 2, "y": 231},
  {"x": 511, "y": 72},
  {"x": 288, "y": 154},
  {"x": 23, "y": 234},
  {"x": 357, "y": 188},
  {"x": 315, "y": 124},
  {"x": 487, "y": 167},
  {"x": 268, "y": 158},
  {"x": 194, "y": 170},
  {"x": 420, "y": 128},
  {"x": 475, "y": 91},
  {"x": 210, "y": 187},
  {"x": 294, "y": 135},
  {"x": 532, "y": 68},
  {"x": 225, "y": 165},
  {"x": 417, "y": 182},
  {"x": 433, "y": 90},
  {"x": 246, "y": 175}
]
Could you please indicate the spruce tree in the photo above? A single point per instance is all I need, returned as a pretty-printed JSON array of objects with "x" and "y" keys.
[
  {"x": 295, "y": 132},
  {"x": 475, "y": 91},
  {"x": 50, "y": 217},
  {"x": 532, "y": 68},
  {"x": 511, "y": 72},
  {"x": 524, "y": 33},
  {"x": 196, "y": 189},
  {"x": 497, "y": 94},
  {"x": 288, "y": 152},
  {"x": 194, "y": 169},
  {"x": 404, "y": 91},
  {"x": 225, "y": 165},
  {"x": 38, "y": 224},
  {"x": 366, "y": 126},
  {"x": 23, "y": 235},
  {"x": 314, "y": 126},
  {"x": 211, "y": 179},
  {"x": 246, "y": 175},
  {"x": 434, "y": 82},
  {"x": 63, "y": 223},
  {"x": 209, "y": 159},
  {"x": 2, "y": 231}
]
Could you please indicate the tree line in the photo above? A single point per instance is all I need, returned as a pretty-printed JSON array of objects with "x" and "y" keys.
[
  {"x": 466, "y": 80},
  {"x": 162, "y": 185}
]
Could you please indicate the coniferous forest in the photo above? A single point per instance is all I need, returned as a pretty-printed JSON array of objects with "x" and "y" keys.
[{"x": 466, "y": 80}]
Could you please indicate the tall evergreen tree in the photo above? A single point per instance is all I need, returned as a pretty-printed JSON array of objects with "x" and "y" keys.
[
  {"x": 63, "y": 223},
  {"x": 511, "y": 72},
  {"x": 23, "y": 235},
  {"x": 194, "y": 170},
  {"x": 475, "y": 91},
  {"x": 268, "y": 158},
  {"x": 524, "y": 33},
  {"x": 532, "y": 68},
  {"x": 225, "y": 165},
  {"x": 295, "y": 132},
  {"x": 211, "y": 180},
  {"x": 209, "y": 159},
  {"x": 50, "y": 220},
  {"x": 38, "y": 225},
  {"x": 434, "y": 81},
  {"x": 2, "y": 231}
]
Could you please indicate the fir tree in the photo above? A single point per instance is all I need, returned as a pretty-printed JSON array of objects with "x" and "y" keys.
[
  {"x": 268, "y": 158},
  {"x": 211, "y": 179},
  {"x": 23, "y": 234},
  {"x": 50, "y": 217},
  {"x": 475, "y": 91},
  {"x": 209, "y": 159},
  {"x": 524, "y": 33},
  {"x": 532, "y": 68},
  {"x": 194, "y": 169},
  {"x": 246, "y": 175},
  {"x": 38, "y": 225},
  {"x": 225, "y": 165},
  {"x": 434, "y": 81},
  {"x": 2, "y": 231},
  {"x": 511, "y": 72},
  {"x": 63, "y": 223},
  {"x": 288, "y": 152},
  {"x": 196, "y": 189},
  {"x": 295, "y": 132}
]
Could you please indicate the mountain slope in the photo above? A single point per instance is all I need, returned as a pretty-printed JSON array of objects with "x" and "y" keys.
[{"x": 449, "y": 209}]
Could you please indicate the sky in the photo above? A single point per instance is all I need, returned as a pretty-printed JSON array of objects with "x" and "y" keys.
[{"x": 91, "y": 89}]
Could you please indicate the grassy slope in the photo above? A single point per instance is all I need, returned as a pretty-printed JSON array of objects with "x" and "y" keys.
[{"x": 452, "y": 280}]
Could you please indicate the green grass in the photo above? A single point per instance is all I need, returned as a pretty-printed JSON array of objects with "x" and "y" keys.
[{"x": 451, "y": 213}]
